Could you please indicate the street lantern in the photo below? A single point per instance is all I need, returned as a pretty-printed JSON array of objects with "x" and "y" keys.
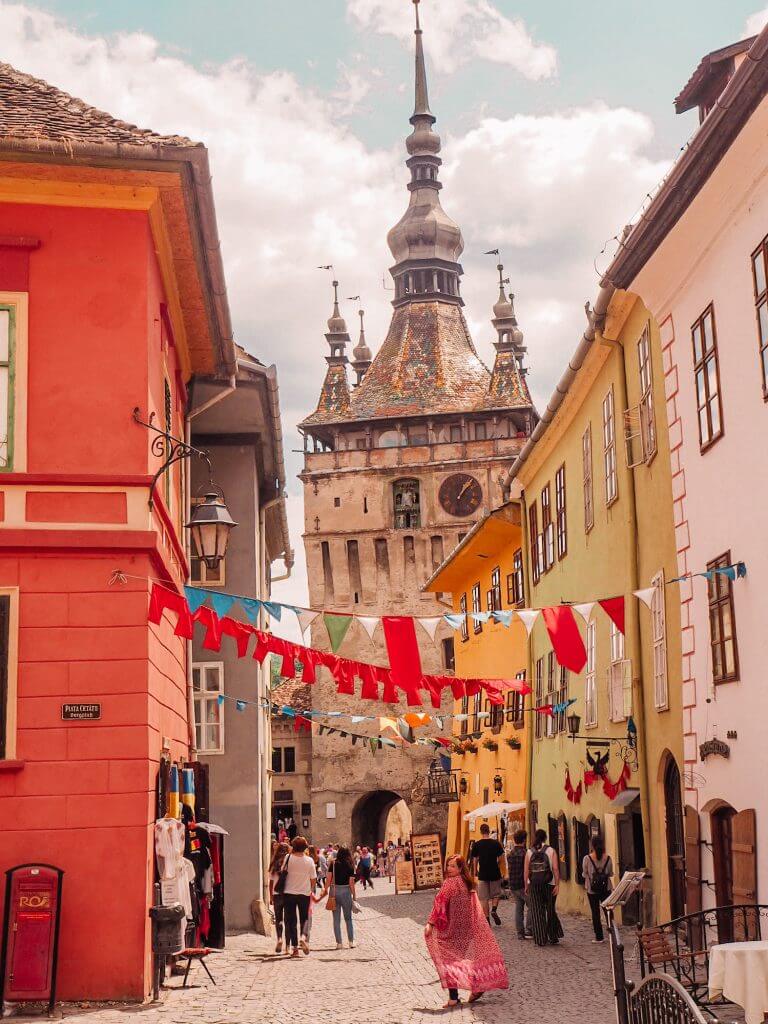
[
  {"x": 209, "y": 525},
  {"x": 498, "y": 785},
  {"x": 574, "y": 724}
]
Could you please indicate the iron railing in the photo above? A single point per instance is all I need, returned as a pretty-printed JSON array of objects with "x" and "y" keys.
[
  {"x": 661, "y": 999},
  {"x": 681, "y": 947}
]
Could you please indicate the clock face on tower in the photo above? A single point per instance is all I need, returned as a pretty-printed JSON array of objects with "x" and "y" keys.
[{"x": 460, "y": 494}]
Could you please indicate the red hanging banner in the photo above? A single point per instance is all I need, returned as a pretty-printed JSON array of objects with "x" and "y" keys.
[
  {"x": 565, "y": 637},
  {"x": 404, "y": 657}
]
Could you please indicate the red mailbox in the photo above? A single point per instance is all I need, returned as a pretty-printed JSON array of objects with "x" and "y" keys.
[{"x": 30, "y": 934}]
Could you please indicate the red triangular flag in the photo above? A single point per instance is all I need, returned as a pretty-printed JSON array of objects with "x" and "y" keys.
[
  {"x": 614, "y": 609},
  {"x": 565, "y": 637}
]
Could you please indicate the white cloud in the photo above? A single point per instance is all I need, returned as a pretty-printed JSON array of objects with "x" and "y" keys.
[
  {"x": 462, "y": 29},
  {"x": 756, "y": 22},
  {"x": 295, "y": 188}
]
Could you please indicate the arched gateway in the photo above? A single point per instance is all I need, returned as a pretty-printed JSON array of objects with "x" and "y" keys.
[{"x": 379, "y": 816}]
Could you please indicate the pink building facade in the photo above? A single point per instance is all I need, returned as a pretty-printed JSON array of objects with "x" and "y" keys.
[{"x": 698, "y": 259}]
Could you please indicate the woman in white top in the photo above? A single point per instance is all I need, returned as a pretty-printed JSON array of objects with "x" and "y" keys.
[{"x": 299, "y": 886}]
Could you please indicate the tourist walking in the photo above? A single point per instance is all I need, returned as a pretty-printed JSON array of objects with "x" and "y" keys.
[
  {"x": 364, "y": 867},
  {"x": 299, "y": 886},
  {"x": 487, "y": 862},
  {"x": 597, "y": 868},
  {"x": 516, "y": 874},
  {"x": 460, "y": 940},
  {"x": 542, "y": 884},
  {"x": 340, "y": 887},
  {"x": 279, "y": 854}
]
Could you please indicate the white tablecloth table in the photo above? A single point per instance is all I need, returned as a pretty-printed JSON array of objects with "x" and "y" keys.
[{"x": 739, "y": 971}]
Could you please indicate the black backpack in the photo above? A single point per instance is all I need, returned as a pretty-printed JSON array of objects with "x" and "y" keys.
[
  {"x": 516, "y": 864},
  {"x": 539, "y": 867},
  {"x": 600, "y": 883}
]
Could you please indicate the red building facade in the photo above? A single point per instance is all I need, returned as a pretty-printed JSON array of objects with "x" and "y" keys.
[{"x": 111, "y": 298}]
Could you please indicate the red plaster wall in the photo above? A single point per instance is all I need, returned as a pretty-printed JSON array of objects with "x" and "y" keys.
[{"x": 84, "y": 798}]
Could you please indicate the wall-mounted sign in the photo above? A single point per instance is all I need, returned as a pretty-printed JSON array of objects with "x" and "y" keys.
[
  {"x": 714, "y": 747},
  {"x": 81, "y": 712},
  {"x": 330, "y": 810}
]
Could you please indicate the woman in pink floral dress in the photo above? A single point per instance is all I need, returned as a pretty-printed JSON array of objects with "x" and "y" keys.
[{"x": 459, "y": 938}]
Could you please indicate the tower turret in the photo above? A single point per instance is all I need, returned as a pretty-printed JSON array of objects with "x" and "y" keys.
[{"x": 361, "y": 354}]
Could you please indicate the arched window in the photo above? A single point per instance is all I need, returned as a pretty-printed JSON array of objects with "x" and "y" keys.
[{"x": 407, "y": 504}]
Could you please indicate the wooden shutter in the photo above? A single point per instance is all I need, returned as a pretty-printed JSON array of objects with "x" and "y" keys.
[
  {"x": 552, "y": 831},
  {"x": 5, "y": 611},
  {"x": 563, "y": 848},
  {"x": 744, "y": 845},
  {"x": 581, "y": 842},
  {"x": 693, "y": 868}
]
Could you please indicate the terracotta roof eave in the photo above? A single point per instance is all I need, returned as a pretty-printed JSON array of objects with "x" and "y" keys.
[
  {"x": 199, "y": 199},
  {"x": 736, "y": 104},
  {"x": 685, "y": 99}
]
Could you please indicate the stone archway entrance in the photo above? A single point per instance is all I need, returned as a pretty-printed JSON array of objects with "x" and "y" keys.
[{"x": 379, "y": 816}]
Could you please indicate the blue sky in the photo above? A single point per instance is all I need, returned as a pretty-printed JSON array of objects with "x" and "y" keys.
[{"x": 556, "y": 118}]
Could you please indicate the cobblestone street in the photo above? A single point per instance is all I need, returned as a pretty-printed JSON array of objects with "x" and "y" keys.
[{"x": 387, "y": 979}]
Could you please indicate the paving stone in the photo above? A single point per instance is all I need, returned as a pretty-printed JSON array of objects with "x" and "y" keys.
[{"x": 387, "y": 979}]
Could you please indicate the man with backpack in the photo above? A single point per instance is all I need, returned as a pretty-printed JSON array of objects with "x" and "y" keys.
[
  {"x": 542, "y": 884},
  {"x": 516, "y": 872},
  {"x": 597, "y": 868}
]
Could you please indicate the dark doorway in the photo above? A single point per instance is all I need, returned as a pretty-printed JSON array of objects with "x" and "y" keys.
[
  {"x": 673, "y": 799},
  {"x": 369, "y": 817},
  {"x": 631, "y": 854},
  {"x": 722, "y": 854}
]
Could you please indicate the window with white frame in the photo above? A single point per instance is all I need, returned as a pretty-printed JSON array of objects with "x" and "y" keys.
[
  {"x": 207, "y": 684},
  {"x": 647, "y": 414},
  {"x": 463, "y": 611},
  {"x": 590, "y": 683},
  {"x": 619, "y": 678},
  {"x": 477, "y": 607},
  {"x": 539, "y": 698},
  {"x": 659, "y": 635},
  {"x": 586, "y": 457},
  {"x": 7, "y": 351},
  {"x": 609, "y": 449},
  {"x": 551, "y": 690}
]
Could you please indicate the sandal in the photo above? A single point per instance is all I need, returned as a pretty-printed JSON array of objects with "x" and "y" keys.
[
  {"x": 451, "y": 1004},
  {"x": 474, "y": 997}
]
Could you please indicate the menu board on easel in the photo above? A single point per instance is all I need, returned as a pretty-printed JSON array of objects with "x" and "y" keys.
[
  {"x": 404, "y": 876},
  {"x": 427, "y": 860}
]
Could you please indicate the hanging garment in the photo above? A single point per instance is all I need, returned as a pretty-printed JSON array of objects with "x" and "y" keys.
[{"x": 169, "y": 846}]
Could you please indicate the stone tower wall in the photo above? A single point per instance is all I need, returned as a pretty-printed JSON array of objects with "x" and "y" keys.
[{"x": 359, "y": 563}]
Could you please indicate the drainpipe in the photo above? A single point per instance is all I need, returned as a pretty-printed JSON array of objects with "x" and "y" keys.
[
  {"x": 188, "y": 552},
  {"x": 638, "y": 701},
  {"x": 529, "y": 722}
]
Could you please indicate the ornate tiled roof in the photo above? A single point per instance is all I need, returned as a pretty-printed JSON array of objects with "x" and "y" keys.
[
  {"x": 294, "y": 694},
  {"x": 32, "y": 110},
  {"x": 333, "y": 405},
  {"x": 508, "y": 388}
]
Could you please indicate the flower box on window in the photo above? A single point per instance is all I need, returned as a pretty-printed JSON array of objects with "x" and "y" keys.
[
  {"x": 514, "y": 743},
  {"x": 490, "y": 744}
]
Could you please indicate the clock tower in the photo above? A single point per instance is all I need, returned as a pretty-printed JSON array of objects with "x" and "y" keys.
[{"x": 397, "y": 470}]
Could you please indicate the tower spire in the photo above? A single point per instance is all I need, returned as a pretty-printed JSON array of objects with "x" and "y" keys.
[{"x": 421, "y": 105}]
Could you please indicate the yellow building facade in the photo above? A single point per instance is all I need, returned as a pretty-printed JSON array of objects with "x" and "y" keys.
[
  {"x": 485, "y": 573},
  {"x": 596, "y": 507}
]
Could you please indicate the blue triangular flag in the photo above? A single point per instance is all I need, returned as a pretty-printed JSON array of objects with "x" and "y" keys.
[
  {"x": 251, "y": 607},
  {"x": 445, "y": 761},
  {"x": 220, "y": 699},
  {"x": 288, "y": 712},
  {"x": 273, "y": 609},
  {"x": 222, "y": 603},
  {"x": 240, "y": 705},
  {"x": 741, "y": 570},
  {"x": 503, "y": 617},
  {"x": 479, "y": 616},
  {"x": 455, "y": 619},
  {"x": 196, "y": 597},
  {"x": 729, "y": 571}
]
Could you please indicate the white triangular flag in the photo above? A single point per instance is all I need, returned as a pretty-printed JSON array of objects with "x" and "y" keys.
[
  {"x": 430, "y": 625},
  {"x": 528, "y": 616},
  {"x": 584, "y": 610},
  {"x": 306, "y": 617},
  {"x": 646, "y": 596},
  {"x": 369, "y": 623}
]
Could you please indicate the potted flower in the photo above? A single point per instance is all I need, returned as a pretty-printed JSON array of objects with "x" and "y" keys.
[
  {"x": 490, "y": 744},
  {"x": 514, "y": 743}
]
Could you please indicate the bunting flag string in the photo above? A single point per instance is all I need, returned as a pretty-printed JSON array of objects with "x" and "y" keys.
[{"x": 378, "y": 682}]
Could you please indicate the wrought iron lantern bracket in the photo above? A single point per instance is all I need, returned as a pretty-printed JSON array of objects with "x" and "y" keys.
[{"x": 173, "y": 449}]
